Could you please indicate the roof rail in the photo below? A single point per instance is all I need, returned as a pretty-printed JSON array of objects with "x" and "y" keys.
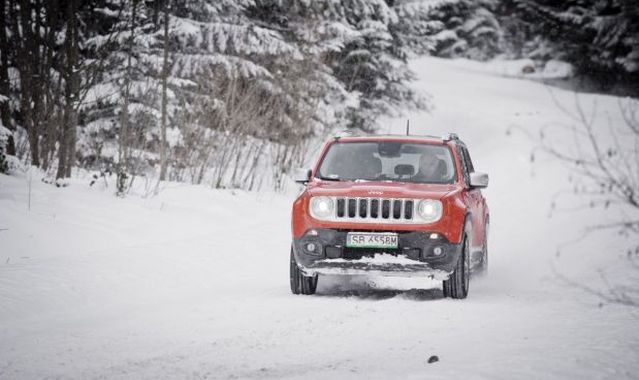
[
  {"x": 450, "y": 136},
  {"x": 346, "y": 133}
]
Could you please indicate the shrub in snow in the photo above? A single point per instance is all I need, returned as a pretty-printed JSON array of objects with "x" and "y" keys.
[
  {"x": 4, "y": 167},
  {"x": 121, "y": 182},
  {"x": 57, "y": 182},
  {"x": 4, "y": 139},
  {"x": 103, "y": 174},
  {"x": 605, "y": 165}
]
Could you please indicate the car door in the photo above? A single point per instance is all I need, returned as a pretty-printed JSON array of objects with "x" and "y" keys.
[{"x": 475, "y": 202}]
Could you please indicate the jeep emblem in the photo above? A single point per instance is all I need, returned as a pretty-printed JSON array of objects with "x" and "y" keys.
[{"x": 376, "y": 192}]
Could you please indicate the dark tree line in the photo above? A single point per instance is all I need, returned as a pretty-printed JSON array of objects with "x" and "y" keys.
[
  {"x": 43, "y": 75},
  {"x": 599, "y": 37},
  {"x": 195, "y": 90},
  {"x": 223, "y": 91}
]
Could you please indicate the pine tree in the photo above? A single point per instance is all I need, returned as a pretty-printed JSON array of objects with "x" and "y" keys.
[
  {"x": 466, "y": 28},
  {"x": 211, "y": 88},
  {"x": 601, "y": 38},
  {"x": 122, "y": 108},
  {"x": 358, "y": 45},
  {"x": 417, "y": 26}
]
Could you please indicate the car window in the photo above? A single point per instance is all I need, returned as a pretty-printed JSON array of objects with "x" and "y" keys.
[
  {"x": 464, "y": 164},
  {"x": 388, "y": 161},
  {"x": 469, "y": 162}
]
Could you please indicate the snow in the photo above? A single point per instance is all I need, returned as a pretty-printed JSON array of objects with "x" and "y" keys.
[
  {"x": 173, "y": 136},
  {"x": 379, "y": 259},
  {"x": 384, "y": 265},
  {"x": 416, "y": 6},
  {"x": 521, "y": 68},
  {"x": 558, "y": 69},
  {"x": 512, "y": 68},
  {"x": 445, "y": 35},
  {"x": 193, "y": 282}
]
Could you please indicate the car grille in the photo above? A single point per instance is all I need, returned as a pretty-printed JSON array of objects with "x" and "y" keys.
[
  {"x": 359, "y": 253},
  {"x": 375, "y": 209}
]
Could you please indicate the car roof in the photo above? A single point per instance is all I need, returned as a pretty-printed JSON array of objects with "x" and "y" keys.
[{"x": 400, "y": 138}]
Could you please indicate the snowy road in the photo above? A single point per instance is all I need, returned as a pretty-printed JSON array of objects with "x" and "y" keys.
[{"x": 194, "y": 283}]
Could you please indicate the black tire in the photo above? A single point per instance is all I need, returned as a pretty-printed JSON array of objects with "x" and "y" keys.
[
  {"x": 458, "y": 283},
  {"x": 301, "y": 284}
]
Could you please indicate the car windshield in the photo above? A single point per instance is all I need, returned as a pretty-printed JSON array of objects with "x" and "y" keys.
[{"x": 388, "y": 161}]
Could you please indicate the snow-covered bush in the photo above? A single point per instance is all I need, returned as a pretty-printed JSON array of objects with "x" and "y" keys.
[{"x": 4, "y": 139}]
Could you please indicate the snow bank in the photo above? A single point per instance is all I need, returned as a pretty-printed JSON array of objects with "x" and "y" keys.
[
  {"x": 520, "y": 68},
  {"x": 558, "y": 70}
]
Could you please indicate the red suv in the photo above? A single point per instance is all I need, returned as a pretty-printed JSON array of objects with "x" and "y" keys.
[{"x": 394, "y": 206}]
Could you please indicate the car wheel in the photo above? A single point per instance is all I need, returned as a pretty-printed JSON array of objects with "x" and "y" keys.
[
  {"x": 301, "y": 284},
  {"x": 458, "y": 283}
]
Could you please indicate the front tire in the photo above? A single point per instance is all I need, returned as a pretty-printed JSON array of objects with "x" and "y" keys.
[
  {"x": 482, "y": 270},
  {"x": 301, "y": 284},
  {"x": 458, "y": 283}
]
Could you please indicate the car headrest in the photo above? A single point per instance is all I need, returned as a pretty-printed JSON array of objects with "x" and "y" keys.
[
  {"x": 403, "y": 170},
  {"x": 376, "y": 165}
]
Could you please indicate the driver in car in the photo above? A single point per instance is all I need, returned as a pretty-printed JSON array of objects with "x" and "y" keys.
[{"x": 431, "y": 169}]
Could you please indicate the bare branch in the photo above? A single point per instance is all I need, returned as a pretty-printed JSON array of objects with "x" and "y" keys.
[{"x": 613, "y": 294}]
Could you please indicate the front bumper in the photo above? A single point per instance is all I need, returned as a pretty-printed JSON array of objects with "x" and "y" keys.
[{"x": 415, "y": 255}]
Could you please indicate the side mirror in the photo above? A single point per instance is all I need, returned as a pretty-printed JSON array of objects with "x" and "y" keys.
[
  {"x": 302, "y": 175},
  {"x": 478, "y": 180}
]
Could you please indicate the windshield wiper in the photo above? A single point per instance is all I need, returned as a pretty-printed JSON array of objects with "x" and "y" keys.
[{"x": 337, "y": 179}]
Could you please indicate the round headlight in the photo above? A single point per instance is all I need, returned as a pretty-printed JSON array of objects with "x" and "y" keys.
[
  {"x": 321, "y": 207},
  {"x": 429, "y": 210}
]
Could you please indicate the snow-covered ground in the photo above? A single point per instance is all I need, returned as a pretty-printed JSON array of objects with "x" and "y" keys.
[{"x": 193, "y": 283}]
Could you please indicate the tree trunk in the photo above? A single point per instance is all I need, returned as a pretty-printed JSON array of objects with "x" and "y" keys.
[
  {"x": 24, "y": 57},
  {"x": 165, "y": 74},
  {"x": 51, "y": 112},
  {"x": 66, "y": 140},
  {"x": 123, "y": 149},
  {"x": 5, "y": 109}
]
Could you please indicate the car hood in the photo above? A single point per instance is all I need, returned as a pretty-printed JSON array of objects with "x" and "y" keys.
[{"x": 379, "y": 189}]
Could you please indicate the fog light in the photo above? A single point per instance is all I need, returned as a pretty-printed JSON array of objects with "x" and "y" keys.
[
  {"x": 438, "y": 251},
  {"x": 310, "y": 247},
  {"x": 334, "y": 252},
  {"x": 312, "y": 233},
  {"x": 434, "y": 236}
]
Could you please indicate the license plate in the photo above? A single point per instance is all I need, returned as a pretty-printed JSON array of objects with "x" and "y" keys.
[{"x": 371, "y": 240}]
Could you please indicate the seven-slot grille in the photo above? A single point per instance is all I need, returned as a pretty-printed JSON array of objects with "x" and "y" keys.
[{"x": 371, "y": 209}]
